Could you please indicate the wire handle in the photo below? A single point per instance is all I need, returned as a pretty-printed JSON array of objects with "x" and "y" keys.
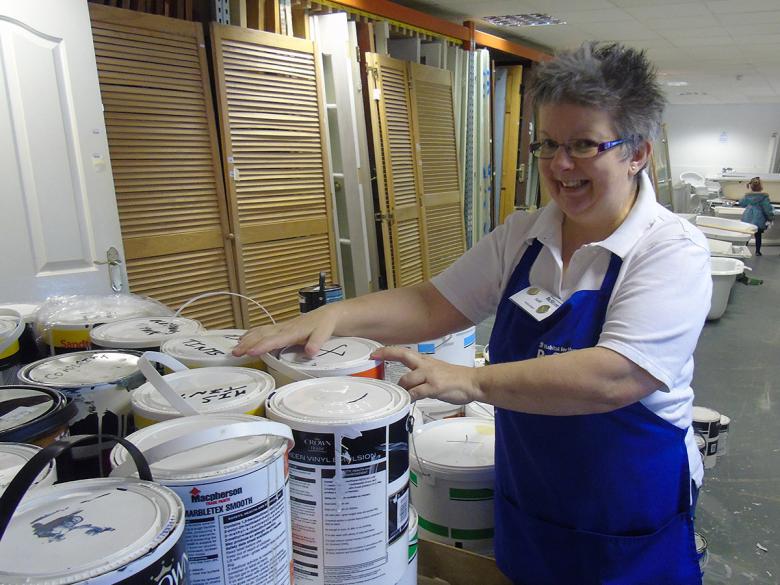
[
  {"x": 16, "y": 333},
  {"x": 19, "y": 485},
  {"x": 160, "y": 384},
  {"x": 294, "y": 374},
  {"x": 221, "y": 293}
]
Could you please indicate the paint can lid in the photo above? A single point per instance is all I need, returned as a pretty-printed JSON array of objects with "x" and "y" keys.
[
  {"x": 142, "y": 332},
  {"x": 436, "y": 406},
  {"x": 455, "y": 447},
  {"x": 207, "y": 390},
  {"x": 26, "y": 310},
  {"x": 704, "y": 414},
  {"x": 335, "y": 354},
  {"x": 701, "y": 543},
  {"x": 80, "y": 530},
  {"x": 203, "y": 462},
  {"x": 725, "y": 421},
  {"x": 341, "y": 400},
  {"x": 210, "y": 348},
  {"x": 480, "y": 410},
  {"x": 82, "y": 368},
  {"x": 21, "y": 406},
  {"x": 14, "y": 456}
]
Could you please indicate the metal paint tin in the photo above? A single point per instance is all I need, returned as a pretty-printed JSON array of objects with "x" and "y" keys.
[
  {"x": 142, "y": 333},
  {"x": 452, "y": 482},
  {"x": 312, "y": 297},
  {"x": 34, "y": 415},
  {"x": 13, "y": 456},
  {"x": 706, "y": 422},
  {"x": 349, "y": 479},
  {"x": 210, "y": 348},
  {"x": 723, "y": 435}
]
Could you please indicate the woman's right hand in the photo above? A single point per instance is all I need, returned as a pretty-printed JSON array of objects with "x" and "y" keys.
[{"x": 310, "y": 330}]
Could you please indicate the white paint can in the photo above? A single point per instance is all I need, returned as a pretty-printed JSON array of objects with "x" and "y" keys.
[
  {"x": 11, "y": 330},
  {"x": 706, "y": 422},
  {"x": 723, "y": 435},
  {"x": 28, "y": 348},
  {"x": 230, "y": 470},
  {"x": 218, "y": 390},
  {"x": 34, "y": 415},
  {"x": 457, "y": 348},
  {"x": 349, "y": 479},
  {"x": 209, "y": 349},
  {"x": 14, "y": 456},
  {"x": 142, "y": 334},
  {"x": 452, "y": 482},
  {"x": 410, "y": 576},
  {"x": 428, "y": 410},
  {"x": 96, "y": 532},
  {"x": 339, "y": 356},
  {"x": 480, "y": 410}
]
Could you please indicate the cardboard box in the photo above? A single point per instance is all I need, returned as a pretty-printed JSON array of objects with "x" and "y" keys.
[{"x": 440, "y": 564}]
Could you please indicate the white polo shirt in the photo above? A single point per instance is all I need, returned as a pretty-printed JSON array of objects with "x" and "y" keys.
[{"x": 658, "y": 305}]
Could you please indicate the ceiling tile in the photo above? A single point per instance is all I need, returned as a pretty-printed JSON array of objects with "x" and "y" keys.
[
  {"x": 629, "y": 30},
  {"x": 708, "y": 41},
  {"x": 737, "y": 19},
  {"x": 587, "y": 16},
  {"x": 750, "y": 31},
  {"x": 643, "y": 3},
  {"x": 741, "y": 6},
  {"x": 678, "y": 10},
  {"x": 769, "y": 39},
  {"x": 691, "y": 23}
]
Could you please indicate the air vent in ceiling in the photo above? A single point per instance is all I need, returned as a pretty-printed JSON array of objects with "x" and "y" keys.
[{"x": 516, "y": 20}]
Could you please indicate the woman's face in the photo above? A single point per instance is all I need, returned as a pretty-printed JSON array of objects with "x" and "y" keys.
[{"x": 596, "y": 192}]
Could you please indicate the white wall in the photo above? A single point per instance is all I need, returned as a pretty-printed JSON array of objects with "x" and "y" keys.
[{"x": 697, "y": 142}]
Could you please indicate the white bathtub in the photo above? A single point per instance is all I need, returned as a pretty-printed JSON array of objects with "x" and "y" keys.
[{"x": 724, "y": 274}]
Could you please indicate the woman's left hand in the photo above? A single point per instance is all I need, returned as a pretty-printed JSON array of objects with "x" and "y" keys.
[{"x": 432, "y": 378}]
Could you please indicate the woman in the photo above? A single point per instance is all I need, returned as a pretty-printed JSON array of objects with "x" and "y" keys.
[
  {"x": 759, "y": 210},
  {"x": 599, "y": 299}
]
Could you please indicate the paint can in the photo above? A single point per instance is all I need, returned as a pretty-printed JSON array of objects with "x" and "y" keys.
[
  {"x": 701, "y": 445},
  {"x": 14, "y": 456},
  {"x": 230, "y": 470},
  {"x": 339, "y": 356},
  {"x": 452, "y": 482},
  {"x": 96, "y": 531},
  {"x": 209, "y": 349},
  {"x": 706, "y": 422},
  {"x": 99, "y": 383},
  {"x": 480, "y": 410},
  {"x": 218, "y": 390},
  {"x": 11, "y": 329},
  {"x": 702, "y": 554},
  {"x": 349, "y": 479},
  {"x": 313, "y": 297},
  {"x": 34, "y": 415},
  {"x": 28, "y": 348},
  {"x": 142, "y": 333},
  {"x": 410, "y": 576},
  {"x": 458, "y": 349},
  {"x": 723, "y": 436},
  {"x": 428, "y": 410}
]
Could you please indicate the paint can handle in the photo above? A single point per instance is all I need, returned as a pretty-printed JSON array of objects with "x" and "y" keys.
[
  {"x": 155, "y": 379},
  {"x": 16, "y": 333},
  {"x": 274, "y": 362},
  {"x": 19, "y": 485},
  {"x": 209, "y": 436},
  {"x": 223, "y": 293}
]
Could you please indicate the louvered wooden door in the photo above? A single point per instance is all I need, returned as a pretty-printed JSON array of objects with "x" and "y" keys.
[
  {"x": 272, "y": 126},
  {"x": 398, "y": 179},
  {"x": 155, "y": 88},
  {"x": 433, "y": 124}
]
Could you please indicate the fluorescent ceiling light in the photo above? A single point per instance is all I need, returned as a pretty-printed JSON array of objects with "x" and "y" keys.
[{"x": 516, "y": 20}]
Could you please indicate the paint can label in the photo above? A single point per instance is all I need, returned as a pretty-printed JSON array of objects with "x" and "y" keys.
[{"x": 237, "y": 531}]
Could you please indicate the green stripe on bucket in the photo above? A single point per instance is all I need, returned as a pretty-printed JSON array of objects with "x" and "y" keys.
[
  {"x": 471, "y": 495},
  {"x": 412, "y": 551},
  {"x": 478, "y": 534},
  {"x": 413, "y": 477},
  {"x": 435, "y": 528}
]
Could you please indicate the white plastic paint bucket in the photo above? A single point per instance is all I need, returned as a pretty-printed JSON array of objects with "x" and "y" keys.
[
  {"x": 219, "y": 390},
  {"x": 230, "y": 470},
  {"x": 142, "y": 334},
  {"x": 452, "y": 482},
  {"x": 96, "y": 531},
  {"x": 209, "y": 349},
  {"x": 706, "y": 422},
  {"x": 349, "y": 479},
  {"x": 410, "y": 576},
  {"x": 14, "y": 456},
  {"x": 458, "y": 348},
  {"x": 11, "y": 330},
  {"x": 339, "y": 356},
  {"x": 34, "y": 415},
  {"x": 428, "y": 410},
  {"x": 480, "y": 410},
  {"x": 723, "y": 435},
  {"x": 702, "y": 554},
  {"x": 28, "y": 348},
  {"x": 99, "y": 382}
]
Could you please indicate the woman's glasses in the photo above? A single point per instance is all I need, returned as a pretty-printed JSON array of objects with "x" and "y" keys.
[{"x": 580, "y": 148}]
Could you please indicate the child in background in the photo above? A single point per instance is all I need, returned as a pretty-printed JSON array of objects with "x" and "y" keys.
[{"x": 759, "y": 210}]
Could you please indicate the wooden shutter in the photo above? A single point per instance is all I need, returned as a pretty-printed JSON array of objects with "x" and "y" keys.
[
  {"x": 161, "y": 131},
  {"x": 273, "y": 148},
  {"x": 403, "y": 225},
  {"x": 512, "y": 116},
  {"x": 436, "y": 147}
]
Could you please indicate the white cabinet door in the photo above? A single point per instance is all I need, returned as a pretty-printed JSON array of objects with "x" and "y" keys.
[{"x": 58, "y": 213}]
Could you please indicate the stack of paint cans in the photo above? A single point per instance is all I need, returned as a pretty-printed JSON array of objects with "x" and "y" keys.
[
  {"x": 349, "y": 479},
  {"x": 706, "y": 422}
]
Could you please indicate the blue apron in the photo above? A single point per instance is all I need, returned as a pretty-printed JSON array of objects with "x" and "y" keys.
[{"x": 587, "y": 499}]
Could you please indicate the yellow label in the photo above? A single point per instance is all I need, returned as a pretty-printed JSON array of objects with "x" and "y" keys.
[
  {"x": 73, "y": 339},
  {"x": 10, "y": 350},
  {"x": 486, "y": 429}
]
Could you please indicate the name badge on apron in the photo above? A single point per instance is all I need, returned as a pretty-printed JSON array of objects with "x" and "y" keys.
[{"x": 537, "y": 302}]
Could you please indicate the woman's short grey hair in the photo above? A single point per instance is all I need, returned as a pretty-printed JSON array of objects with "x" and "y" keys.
[{"x": 614, "y": 78}]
